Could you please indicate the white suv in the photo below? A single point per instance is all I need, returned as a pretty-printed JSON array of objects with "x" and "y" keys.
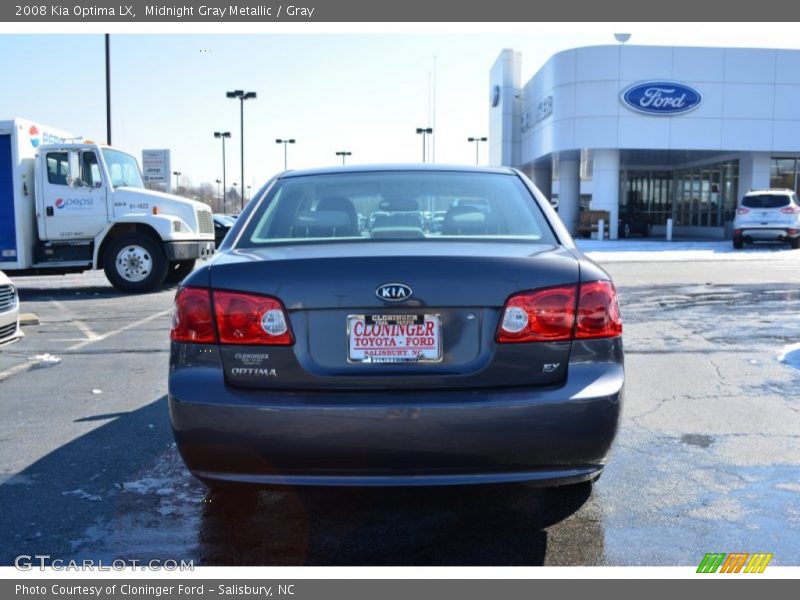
[{"x": 767, "y": 216}]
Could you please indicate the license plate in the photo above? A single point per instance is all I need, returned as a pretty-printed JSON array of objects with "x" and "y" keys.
[{"x": 394, "y": 338}]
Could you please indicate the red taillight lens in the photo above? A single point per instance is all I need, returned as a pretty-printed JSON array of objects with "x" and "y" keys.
[
  {"x": 742, "y": 211},
  {"x": 598, "y": 311},
  {"x": 546, "y": 315},
  {"x": 790, "y": 210},
  {"x": 251, "y": 319},
  {"x": 550, "y": 315},
  {"x": 191, "y": 317}
]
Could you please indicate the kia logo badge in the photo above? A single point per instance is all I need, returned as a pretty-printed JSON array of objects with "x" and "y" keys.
[
  {"x": 393, "y": 292},
  {"x": 661, "y": 98}
]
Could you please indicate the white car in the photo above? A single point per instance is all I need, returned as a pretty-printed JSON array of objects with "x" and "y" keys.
[
  {"x": 767, "y": 216},
  {"x": 9, "y": 311}
]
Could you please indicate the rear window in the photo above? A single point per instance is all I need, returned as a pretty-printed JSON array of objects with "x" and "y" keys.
[
  {"x": 765, "y": 201},
  {"x": 369, "y": 207}
]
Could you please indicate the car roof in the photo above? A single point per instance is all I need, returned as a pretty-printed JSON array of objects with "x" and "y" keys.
[
  {"x": 774, "y": 192},
  {"x": 395, "y": 168}
]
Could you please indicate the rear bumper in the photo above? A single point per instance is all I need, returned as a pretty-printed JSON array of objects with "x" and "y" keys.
[
  {"x": 552, "y": 435},
  {"x": 188, "y": 250},
  {"x": 767, "y": 234}
]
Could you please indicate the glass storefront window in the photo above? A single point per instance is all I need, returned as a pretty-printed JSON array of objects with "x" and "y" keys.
[{"x": 783, "y": 173}]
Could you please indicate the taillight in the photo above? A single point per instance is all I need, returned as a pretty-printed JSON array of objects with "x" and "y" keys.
[
  {"x": 590, "y": 310},
  {"x": 790, "y": 210},
  {"x": 598, "y": 311},
  {"x": 251, "y": 319},
  {"x": 546, "y": 315},
  {"x": 742, "y": 211},
  {"x": 191, "y": 317}
]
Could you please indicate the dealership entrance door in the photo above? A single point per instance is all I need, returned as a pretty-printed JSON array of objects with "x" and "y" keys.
[{"x": 701, "y": 200}]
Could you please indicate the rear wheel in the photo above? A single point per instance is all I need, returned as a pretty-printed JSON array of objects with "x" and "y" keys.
[
  {"x": 738, "y": 243},
  {"x": 795, "y": 243},
  {"x": 178, "y": 270},
  {"x": 135, "y": 262}
]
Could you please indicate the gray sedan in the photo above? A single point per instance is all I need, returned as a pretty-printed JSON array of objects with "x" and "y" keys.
[{"x": 315, "y": 350}]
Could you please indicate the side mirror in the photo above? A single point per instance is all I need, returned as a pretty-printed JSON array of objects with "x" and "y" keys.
[{"x": 74, "y": 176}]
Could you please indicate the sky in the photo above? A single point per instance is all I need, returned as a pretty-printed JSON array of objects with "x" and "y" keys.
[{"x": 358, "y": 92}]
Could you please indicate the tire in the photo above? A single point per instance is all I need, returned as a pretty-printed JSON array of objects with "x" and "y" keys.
[
  {"x": 738, "y": 243},
  {"x": 795, "y": 243},
  {"x": 135, "y": 262},
  {"x": 178, "y": 270},
  {"x": 648, "y": 230}
]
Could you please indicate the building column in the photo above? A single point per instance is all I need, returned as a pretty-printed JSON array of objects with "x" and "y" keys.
[
  {"x": 605, "y": 184},
  {"x": 542, "y": 179},
  {"x": 569, "y": 191},
  {"x": 754, "y": 171}
]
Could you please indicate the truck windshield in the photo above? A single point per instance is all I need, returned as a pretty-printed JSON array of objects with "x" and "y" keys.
[{"x": 123, "y": 169}]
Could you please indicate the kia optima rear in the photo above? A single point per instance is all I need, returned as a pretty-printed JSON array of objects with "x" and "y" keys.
[{"x": 340, "y": 338}]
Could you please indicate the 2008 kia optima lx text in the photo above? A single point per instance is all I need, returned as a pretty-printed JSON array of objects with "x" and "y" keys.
[{"x": 339, "y": 338}]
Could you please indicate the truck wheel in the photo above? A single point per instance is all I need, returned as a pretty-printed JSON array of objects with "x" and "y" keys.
[
  {"x": 135, "y": 262},
  {"x": 795, "y": 243},
  {"x": 178, "y": 270}
]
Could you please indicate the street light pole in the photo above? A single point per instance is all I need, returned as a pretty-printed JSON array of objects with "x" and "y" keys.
[
  {"x": 242, "y": 96},
  {"x": 284, "y": 142},
  {"x": 177, "y": 179},
  {"x": 343, "y": 154},
  {"x": 108, "y": 89},
  {"x": 477, "y": 141},
  {"x": 222, "y": 135},
  {"x": 424, "y": 131}
]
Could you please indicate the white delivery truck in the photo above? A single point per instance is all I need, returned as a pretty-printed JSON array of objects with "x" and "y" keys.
[{"x": 68, "y": 205}]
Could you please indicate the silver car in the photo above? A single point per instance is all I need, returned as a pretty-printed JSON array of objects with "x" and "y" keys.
[
  {"x": 9, "y": 311},
  {"x": 767, "y": 216}
]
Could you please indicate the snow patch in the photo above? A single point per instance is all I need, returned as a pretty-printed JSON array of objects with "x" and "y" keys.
[
  {"x": 44, "y": 360},
  {"x": 82, "y": 495},
  {"x": 790, "y": 355},
  {"x": 663, "y": 251},
  {"x": 145, "y": 485}
]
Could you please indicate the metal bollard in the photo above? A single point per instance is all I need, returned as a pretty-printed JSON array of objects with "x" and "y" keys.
[
  {"x": 669, "y": 229},
  {"x": 601, "y": 226}
]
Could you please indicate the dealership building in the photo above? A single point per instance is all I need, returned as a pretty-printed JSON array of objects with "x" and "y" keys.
[{"x": 664, "y": 132}]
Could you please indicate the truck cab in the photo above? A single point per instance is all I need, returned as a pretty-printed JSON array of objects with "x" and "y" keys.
[{"x": 90, "y": 209}]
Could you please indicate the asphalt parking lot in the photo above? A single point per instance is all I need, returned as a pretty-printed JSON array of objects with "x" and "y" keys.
[{"x": 707, "y": 459}]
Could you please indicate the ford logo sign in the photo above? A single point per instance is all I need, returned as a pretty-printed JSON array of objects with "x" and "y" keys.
[
  {"x": 393, "y": 292},
  {"x": 661, "y": 98}
]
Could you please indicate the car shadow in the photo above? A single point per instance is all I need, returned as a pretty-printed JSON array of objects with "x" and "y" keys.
[
  {"x": 120, "y": 490},
  {"x": 498, "y": 525},
  {"x": 49, "y": 506}
]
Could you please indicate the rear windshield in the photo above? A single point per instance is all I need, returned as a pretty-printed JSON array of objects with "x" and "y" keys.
[
  {"x": 766, "y": 201},
  {"x": 368, "y": 207}
]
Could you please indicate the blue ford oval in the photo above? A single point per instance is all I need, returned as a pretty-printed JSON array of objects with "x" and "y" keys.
[
  {"x": 661, "y": 98},
  {"x": 343, "y": 337}
]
